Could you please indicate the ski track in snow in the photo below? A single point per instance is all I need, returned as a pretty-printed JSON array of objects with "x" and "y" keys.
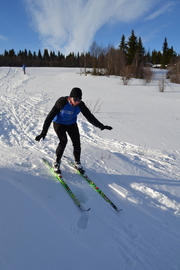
[{"x": 144, "y": 182}]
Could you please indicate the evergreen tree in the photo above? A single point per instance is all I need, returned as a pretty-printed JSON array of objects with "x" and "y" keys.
[
  {"x": 46, "y": 58},
  {"x": 39, "y": 61},
  {"x": 46, "y": 54},
  {"x": 39, "y": 55},
  {"x": 148, "y": 57},
  {"x": 29, "y": 59},
  {"x": 6, "y": 53},
  {"x": 123, "y": 45},
  {"x": 25, "y": 53},
  {"x": 172, "y": 55},
  {"x": 164, "y": 60},
  {"x": 132, "y": 48},
  {"x": 140, "y": 50},
  {"x": 156, "y": 57},
  {"x": 12, "y": 53}
]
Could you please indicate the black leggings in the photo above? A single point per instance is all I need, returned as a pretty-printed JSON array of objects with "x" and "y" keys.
[{"x": 73, "y": 133}]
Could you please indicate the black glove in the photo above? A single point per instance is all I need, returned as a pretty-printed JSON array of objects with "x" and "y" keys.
[
  {"x": 106, "y": 127},
  {"x": 39, "y": 137}
]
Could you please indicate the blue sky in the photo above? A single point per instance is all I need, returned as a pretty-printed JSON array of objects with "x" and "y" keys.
[{"x": 72, "y": 25}]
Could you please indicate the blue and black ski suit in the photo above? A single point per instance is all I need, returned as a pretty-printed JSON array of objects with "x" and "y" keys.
[{"x": 64, "y": 118}]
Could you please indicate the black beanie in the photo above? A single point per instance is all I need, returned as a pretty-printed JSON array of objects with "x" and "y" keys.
[{"x": 76, "y": 93}]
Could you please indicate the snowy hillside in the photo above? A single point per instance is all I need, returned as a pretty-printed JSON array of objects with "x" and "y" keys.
[{"x": 137, "y": 165}]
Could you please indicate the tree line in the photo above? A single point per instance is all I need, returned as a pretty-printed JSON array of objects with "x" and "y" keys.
[{"x": 129, "y": 58}]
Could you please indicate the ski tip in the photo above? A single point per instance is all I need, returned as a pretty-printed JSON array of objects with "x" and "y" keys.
[
  {"x": 82, "y": 208},
  {"x": 118, "y": 210}
]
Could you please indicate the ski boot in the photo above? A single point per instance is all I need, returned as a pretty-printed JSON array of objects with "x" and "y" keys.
[
  {"x": 79, "y": 167},
  {"x": 56, "y": 167}
]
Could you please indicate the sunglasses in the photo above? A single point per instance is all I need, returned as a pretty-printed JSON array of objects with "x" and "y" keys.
[{"x": 76, "y": 99}]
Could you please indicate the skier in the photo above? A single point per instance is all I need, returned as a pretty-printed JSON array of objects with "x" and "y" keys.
[
  {"x": 64, "y": 116},
  {"x": 24, "y": 68}
]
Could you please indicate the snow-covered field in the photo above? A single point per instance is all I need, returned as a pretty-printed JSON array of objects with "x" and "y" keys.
[{"x": 137, "y": 165}]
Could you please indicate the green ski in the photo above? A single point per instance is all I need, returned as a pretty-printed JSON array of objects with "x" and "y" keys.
[
  {"x": 64, "y": 184},
  {"x": 93, "y": 185}
]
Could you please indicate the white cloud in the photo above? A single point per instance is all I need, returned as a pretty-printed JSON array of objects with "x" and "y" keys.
[
  {"x": 3, "y": 37},
  {"x": 167, "y": 7},
  {"x": 70, "y": 25}
]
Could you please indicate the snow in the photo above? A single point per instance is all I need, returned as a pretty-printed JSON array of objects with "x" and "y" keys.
[{"x": 136, "y": 165}]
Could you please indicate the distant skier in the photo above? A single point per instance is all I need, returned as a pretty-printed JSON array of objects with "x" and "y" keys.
[
  {"x": 64, "y": 116},
  {"x": 24, "y": 68}
]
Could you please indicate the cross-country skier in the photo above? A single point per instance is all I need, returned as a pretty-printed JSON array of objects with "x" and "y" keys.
[
  {"x": 24, "y": 68},
  {"x": 64, "y": 116}
]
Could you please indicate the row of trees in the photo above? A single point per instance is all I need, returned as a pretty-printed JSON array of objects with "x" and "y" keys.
[
  {"x": 133, "y": 48},
  {"x": 129, "y": 58}
]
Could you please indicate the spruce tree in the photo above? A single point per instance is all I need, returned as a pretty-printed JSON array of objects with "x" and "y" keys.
[
  {"x": 132, "y": 48},
  {"x": 123, "y": 45},
  {"x": 140, "y": 50},
  {"x": 164, "y": 60}
]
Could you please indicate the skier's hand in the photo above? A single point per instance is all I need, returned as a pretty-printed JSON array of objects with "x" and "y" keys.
[
  {"x": 106, "y": 127},
  {"x": 41, "y": 136}
]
